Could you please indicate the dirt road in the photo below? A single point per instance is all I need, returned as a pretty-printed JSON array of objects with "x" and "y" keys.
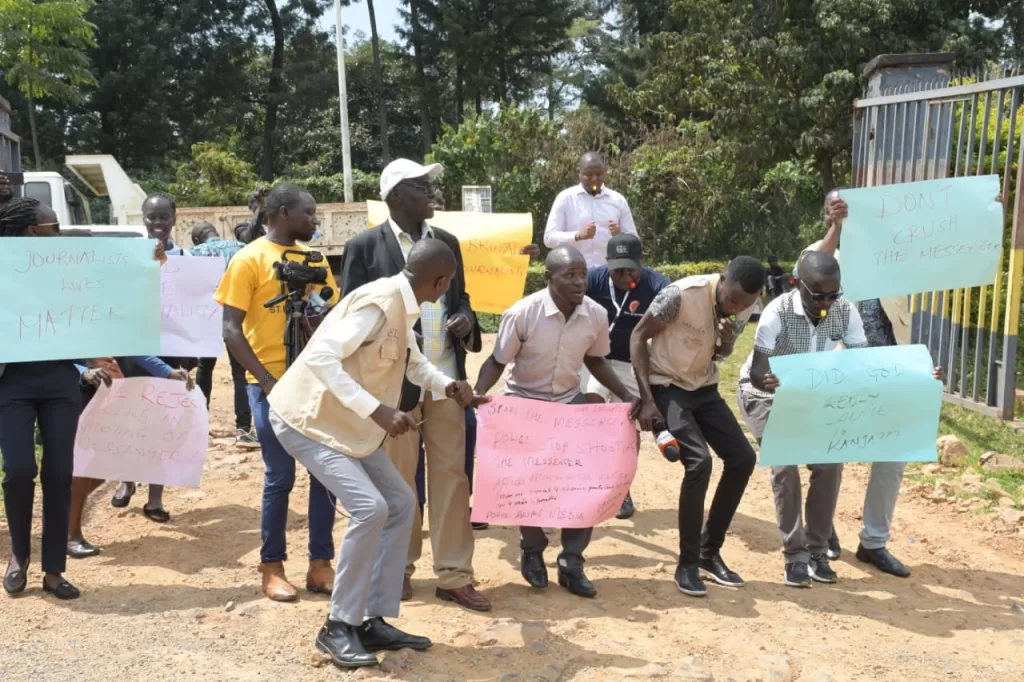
[{"x": 182, "y": 601}]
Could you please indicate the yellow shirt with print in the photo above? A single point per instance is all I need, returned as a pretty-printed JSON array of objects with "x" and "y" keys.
[{"x": 249, "y": 282}]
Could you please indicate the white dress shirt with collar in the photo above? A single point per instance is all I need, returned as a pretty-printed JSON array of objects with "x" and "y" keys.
[
  {"x": 346, "y": 334},
  {"x": 574, "y": 208}
]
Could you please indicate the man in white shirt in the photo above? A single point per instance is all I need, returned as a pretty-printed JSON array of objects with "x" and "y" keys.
[
  {"x": 811, "y": 319},
  {"x": 334, "y": 409},
  {"x": 589, "y": 214}
]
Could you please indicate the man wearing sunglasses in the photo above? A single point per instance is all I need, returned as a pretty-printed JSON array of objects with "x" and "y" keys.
[{"x": 812, "y": 318}]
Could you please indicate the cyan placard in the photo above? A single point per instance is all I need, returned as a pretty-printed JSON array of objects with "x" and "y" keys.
[
  {"x": 921, "y": 236},
  {"x": 75, "y": 297},
  {"x": 862, "y": 405}
]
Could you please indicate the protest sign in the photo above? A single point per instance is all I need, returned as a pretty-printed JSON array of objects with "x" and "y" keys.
[
  {"x": 146, "y": 430},
  {"x": 552, "y": 465},
  {"x": 490, "y": 242},
  {"x": 191, "y": 322},
  {"x": 921, "y": 236},
  {"x": 862, "y": 405},
  {"x": 72, "y": 297}
]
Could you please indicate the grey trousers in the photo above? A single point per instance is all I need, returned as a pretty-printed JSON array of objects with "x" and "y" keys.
[
  {"x": 371, "y": 561},
  {"x": 574, "y": 540},
  {"x": 880, "y": 503},
  {"x": 804, "y": 530}
]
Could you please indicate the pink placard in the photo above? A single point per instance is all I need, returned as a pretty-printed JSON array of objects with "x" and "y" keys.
[
  {"x": 552, "y": 465},
  {"x": 145, "y": 430}
]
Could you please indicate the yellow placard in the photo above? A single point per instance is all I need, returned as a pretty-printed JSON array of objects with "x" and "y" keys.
[{"x": 495, "y": 272}]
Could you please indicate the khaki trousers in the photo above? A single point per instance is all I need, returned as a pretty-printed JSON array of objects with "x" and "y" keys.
[{"x": 444, "y": 444}]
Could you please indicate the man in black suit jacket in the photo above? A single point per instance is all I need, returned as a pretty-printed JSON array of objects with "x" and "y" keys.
[{"x": 446, "y": 330}]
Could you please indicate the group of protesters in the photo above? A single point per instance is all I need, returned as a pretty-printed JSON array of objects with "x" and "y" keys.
[{"x": 380, "y": 392}]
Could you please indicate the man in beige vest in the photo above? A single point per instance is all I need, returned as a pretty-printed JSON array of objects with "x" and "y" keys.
[
  {"x": 690, "y": 326},
  {"x": 333, "y": 410}
]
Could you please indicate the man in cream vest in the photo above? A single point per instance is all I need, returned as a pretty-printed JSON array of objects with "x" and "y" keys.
[
  {"x": 689, "y": 327},
  {"x": 333, "y": 410}
]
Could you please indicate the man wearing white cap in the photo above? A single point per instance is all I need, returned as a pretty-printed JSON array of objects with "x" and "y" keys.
[
  {"x": 589, "y": 214},
  {"x": 447, "y": 330}
]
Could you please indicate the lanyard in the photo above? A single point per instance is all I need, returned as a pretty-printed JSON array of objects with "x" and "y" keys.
[{"x": 618, "y": 306}]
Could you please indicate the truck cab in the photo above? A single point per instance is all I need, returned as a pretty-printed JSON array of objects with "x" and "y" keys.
[{"x": 52, "y": 189}]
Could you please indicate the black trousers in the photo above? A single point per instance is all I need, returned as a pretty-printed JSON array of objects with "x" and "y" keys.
[
  {"x": 48, "y": 392},
  {"x": 574, "y": 540},
  {"x": 698, "y": 419},
  {"x": 204, "y": 379}
]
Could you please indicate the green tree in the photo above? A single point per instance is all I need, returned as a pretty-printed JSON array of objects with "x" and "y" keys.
[{"x": 43, "y": 50}]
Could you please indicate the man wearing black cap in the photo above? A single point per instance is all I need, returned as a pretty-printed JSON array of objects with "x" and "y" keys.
[{"x": 625, "y": 288}]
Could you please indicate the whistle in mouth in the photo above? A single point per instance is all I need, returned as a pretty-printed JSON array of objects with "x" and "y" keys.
[
  {"x": 632, "y": 285},
  {"x": 594, "y": 187},
  {"x": 823, "y": 313}
]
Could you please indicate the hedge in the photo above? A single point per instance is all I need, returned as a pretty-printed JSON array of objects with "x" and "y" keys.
[{"x": 674, "y": 271}]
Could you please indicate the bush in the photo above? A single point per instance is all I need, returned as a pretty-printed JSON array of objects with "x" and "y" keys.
[{"x": 674, "y": 271}]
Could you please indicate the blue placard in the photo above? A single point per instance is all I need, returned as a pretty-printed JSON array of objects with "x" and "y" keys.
[
  {"x": 921, "y": 236},
  {"x": 863, "y": 405},
  {"x": 72, "y": 297}
]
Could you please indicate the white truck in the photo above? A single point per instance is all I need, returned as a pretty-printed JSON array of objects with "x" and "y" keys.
[{"x": 103, "y": 175}]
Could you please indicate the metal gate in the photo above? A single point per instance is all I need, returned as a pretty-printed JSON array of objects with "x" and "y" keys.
[{"x": 951, "y": 126}]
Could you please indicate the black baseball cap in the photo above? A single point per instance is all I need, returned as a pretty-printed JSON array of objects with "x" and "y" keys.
[{"x": 624, "y": 251}]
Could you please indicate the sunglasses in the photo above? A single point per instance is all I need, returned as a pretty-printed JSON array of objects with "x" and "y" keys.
[
  {"x": 818, "y": 296},
  {"x": 55, "y": 226}
]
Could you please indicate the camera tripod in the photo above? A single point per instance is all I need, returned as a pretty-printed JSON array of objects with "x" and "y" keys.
[{"x": 297, "y": 330}]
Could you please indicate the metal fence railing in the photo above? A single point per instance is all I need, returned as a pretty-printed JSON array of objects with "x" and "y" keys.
[{"x": 965, "y": 125}]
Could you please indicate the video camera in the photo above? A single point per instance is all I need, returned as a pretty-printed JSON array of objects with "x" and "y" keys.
[{"x": 295, "y": 277}]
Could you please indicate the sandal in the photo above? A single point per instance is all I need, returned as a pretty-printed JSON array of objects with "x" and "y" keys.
[
  {"x": 15, "y": 581},
  {"x": 159, "y": 515},
  {"x": 63, "y": 590},
  {"x": 122, "y": 501}
]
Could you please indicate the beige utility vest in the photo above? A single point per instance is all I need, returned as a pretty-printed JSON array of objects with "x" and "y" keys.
[
  {"x": 683, "y": 354},
  {"x": 309, "y": 407}
]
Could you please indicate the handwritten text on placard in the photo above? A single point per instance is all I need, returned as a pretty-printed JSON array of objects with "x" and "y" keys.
[
  {"x": 490, "y": 244},
  {"x": 146, "y": 430},
  {"x": 863, "y": 405},
  {"x": 75, "y": 297},
  {"x": 191, "y": 322},
  {"x": 552, "y": 465},
  {"x": 921, "y": 236}
]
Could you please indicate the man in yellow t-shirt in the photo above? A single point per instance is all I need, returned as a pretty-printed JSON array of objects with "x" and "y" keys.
[{"x": 254, "y": 334}]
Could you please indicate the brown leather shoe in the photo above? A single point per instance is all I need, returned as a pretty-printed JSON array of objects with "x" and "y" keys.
[
  {"x": 466, "y": 596},
  {"x": 275, "y": 584},
  {"x": 406, "y": 589},
  {"x": 320, "y": 576}
]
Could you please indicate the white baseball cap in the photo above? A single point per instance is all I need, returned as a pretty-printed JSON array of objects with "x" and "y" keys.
[{"x": 404, "y": 169}]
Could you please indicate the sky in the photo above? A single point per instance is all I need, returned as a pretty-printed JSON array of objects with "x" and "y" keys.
[{"x": 358, "y": 19}]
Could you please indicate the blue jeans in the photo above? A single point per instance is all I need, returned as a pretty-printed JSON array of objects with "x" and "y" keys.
[
  {"x": 278, "y": 479},
  {"x": 421, "y": 486}
]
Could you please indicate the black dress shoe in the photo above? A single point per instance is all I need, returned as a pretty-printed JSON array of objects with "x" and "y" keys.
[
  {"x": 341, "y": 641},
  {"x": 15, "y": 581},
  {"x": 62, "y": 590},
  {"x": 377, "y": 635},
  {"x": 534, "y": 570},
  {"x": 688, "y": 581},
  {"x": 627, "y": 509},
  {"x": 883, "y": 561},
  {"x": 577, "y": 582},
  {"x": 480, "y": 525},
  {"x": 81, "y": 549},
  {"x": 714, "y": 567}
]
